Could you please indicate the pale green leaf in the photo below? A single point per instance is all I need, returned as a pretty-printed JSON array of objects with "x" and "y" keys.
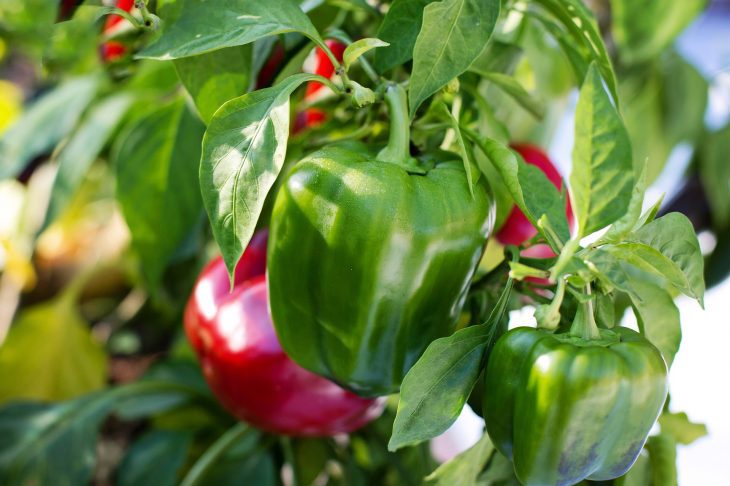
[
  {"x": 50, "y": 354},
  {"x": 358, "y": 48},
  {"x": 602, "y": 178},
  {"x": 243, "y": 152}
]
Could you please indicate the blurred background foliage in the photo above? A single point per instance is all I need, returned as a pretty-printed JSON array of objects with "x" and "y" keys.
[{"x": 101, "y": 240}]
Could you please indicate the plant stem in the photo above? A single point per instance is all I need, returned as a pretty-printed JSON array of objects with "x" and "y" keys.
[
  {"x": 398, "y": 149},
  {"x": 584, "y": 326},
  {"x": 210, "y": 457}
]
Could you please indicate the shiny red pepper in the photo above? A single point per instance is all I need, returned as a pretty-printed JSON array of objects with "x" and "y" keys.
[
  {"x": 321, "y": 65},
  {"x": 517, "y": 229},
  {"x": 244, "y": 364},
  {"x": 113, "y": 50}
]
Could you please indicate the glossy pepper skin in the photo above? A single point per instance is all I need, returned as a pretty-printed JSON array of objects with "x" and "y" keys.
[
  {"x": 517, "y": 229},
  {"x": 245, "y": 366},
  {"x": 370, "y": 262},
  {"x": 566, "y": 409}
]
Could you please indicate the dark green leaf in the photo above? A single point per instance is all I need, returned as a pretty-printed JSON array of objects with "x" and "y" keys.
[
  {"x": 674, "y": 236},
  {"x": 464, "y": 469},
  {"x": 155, "y": 459},
  {"x": 681, "y": 428},
  {"x": 157, "y": 183},
  {"x": 400, "y": 28},
  {"x": 530, "y": 188},
  {"x": 602, "y": 178},
  {"x": 214, "y": 24},
  {"x": 453, "y": 34},
  {"x": 45, "y": 123},
  {"x": 82, "y": 149},
  {"x": 509, "y": 85},
  {"x": 216, "y": 77},
  {"x": 51, "y": 444},
  {"x": 642, "y": 29},
  {"x": 243, "y": 152},
  {"x": 715, "y": 174},
  {"x": 499, "y": 472},
  {"x": 232, "y": 460},
  {"x": 436, "y": 388}
]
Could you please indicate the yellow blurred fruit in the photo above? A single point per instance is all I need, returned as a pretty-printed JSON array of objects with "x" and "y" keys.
[{"x": 11, "y": 103}]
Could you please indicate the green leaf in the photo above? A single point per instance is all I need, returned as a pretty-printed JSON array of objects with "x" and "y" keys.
[
  {"x": 464, "y": 469},
  {"x": 650, "y": 260},
  {"x": 715, "y": 174},
  {"x": 629, "y": 221},
  {"x": 56, "y": 444},
  {"x": 243, "y": 152},
  {"x": 663, "y": 104},
  {"x": 216, "y": 77},
  {"x": 358, "y": 48},
  {"x": 155, "y": 459},
  {"x": 51, "y": 444},
  {"x": 467, "y": 155},
  {"x": 530, "y": 188},
  {"x": 50, "y": 354},
  {"x": 157, "y": 184},
  {"x": 681, "y": 428},
  {"x": 453, "y": 34},
  {"x": 238, "y": 443},
  {"x": 400, "y": 29},
  {"x": 602, "y": 178},
  {"x": 638, "y": 475},
  {"x": 657, "y": 316},
  {"x": 214, "y": 24},
  {"x": 499, "y": 472},
  {"x": 82, "y": 149},
  {"x": 510, "y": 86},
  {"x": 582, "y": 26},
  {"x": 642, "y": 29},
  {"x": 663, "y": 456},
  {"x": 674, "y": 236},
  {"x": 436, "y": 388},
  {"x": 45, "y": 123}
]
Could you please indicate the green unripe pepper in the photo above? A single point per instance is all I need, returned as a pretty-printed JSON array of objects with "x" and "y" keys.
[
  {"x": 370, "y": 257},
  {"x": 565, "y": 408}
]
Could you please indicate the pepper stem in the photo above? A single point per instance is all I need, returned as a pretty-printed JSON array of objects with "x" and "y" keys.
[
  {"x": 584, "y": 326},
  {"x": 398, "y": 149}
]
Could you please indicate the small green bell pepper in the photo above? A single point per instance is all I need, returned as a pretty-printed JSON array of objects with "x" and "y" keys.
[
  {"x": 565, "y": 408},
  {"x": 370, "y": 257}
]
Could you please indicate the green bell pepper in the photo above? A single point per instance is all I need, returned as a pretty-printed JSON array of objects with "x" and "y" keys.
[
  {"x": 371, "y": 255},
  {"x": 567, "y": 407}
]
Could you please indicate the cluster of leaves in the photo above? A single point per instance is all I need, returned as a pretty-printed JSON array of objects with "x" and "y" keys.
[{"x": 479, "y": 73}]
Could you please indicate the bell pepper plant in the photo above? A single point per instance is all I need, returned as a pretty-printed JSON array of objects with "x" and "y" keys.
[
  {"x": 245, "y": 366},
  {"x": 382, "y": 229}
]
